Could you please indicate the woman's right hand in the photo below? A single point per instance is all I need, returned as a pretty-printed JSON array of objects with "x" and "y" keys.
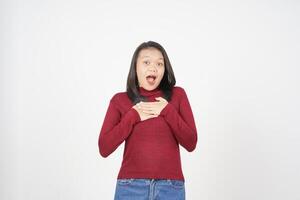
[{"x": 142, "y": 114}]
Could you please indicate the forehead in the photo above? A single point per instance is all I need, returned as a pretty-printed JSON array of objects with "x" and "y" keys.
[{"x": 150, "y": 53}]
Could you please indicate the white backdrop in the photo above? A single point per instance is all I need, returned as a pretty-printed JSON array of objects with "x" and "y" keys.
[{"x": 62, "y": 61}]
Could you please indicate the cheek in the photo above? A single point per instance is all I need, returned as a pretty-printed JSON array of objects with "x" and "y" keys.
[
  {"x": 161, "y": 72},
  {"x": 140, "y": 72}
]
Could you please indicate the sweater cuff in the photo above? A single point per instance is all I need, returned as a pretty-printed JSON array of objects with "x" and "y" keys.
[
  {"x": 134, "y": 115},
  {"x": 168, "y": 108}
]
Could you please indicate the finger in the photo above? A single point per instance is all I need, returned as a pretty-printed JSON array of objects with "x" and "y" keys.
[
  {"x": 148, "y": 111},
  {"x": 148, "y": 106},
  {"x": 150, "y": 103},
  {"x": 152, "y": 116},
  {"x": 152, "y": 112},
  {"x": 139, "y": 103},
  {"x": 160, "y": 99},
  {"x": 152, "y": 108}
]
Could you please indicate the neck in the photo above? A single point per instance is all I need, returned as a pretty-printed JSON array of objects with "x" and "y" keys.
[{"x": 145, "y": 92}]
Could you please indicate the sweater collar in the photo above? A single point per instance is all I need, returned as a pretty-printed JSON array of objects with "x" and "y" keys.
[{"x": 145, "y": 92}]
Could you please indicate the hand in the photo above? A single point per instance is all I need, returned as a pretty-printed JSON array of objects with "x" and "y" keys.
[
  {"x": 142, "y": 114},
  {"x": 151, "y": 109}
]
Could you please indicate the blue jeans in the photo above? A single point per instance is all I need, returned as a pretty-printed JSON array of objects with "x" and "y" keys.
[{"x": 149, "y": 189}]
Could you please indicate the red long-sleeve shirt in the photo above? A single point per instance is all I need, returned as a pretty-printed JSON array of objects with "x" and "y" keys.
[{"x": 151, "y": 146}]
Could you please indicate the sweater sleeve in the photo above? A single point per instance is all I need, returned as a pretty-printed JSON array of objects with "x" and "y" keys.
[
  {"x": 182, "y": 122},
  {"x": 115, "y": 129}
]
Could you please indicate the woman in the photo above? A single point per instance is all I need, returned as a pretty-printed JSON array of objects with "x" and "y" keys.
[{"x": 153, "y": 117}]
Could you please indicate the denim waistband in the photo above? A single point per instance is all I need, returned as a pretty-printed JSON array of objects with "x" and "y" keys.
[{"x": 148, "y": 181}]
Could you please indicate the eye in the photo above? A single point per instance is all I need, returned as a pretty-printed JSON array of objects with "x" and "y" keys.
[
  {"x": 160, "y": 64},
  {"x": 146, "y": 62}
]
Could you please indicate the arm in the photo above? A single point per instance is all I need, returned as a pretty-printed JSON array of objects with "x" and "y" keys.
[
  {"x": 115, "y": 129},
  {"x": 182, "y": 123}
]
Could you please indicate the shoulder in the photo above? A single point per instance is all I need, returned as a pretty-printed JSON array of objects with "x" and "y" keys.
[
  {"x": 121, "y": 101},
  {"x": 118, "y": 101},
  {"x": 119, "y": 96},
  {"x": 180, "y": 93},
  {"x": 178, "y": 90}
]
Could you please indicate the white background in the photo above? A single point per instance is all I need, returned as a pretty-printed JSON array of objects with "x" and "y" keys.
[{"x": 62, "y": 61}]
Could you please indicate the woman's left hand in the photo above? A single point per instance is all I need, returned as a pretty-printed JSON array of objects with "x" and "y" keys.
[{"x": 153, "y": 107}]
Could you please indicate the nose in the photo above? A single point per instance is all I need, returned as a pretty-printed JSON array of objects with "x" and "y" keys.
[{"x": 153, "y": 69}]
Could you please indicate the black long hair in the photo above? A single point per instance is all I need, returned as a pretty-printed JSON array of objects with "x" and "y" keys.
[{"x": 167, "y": 83}]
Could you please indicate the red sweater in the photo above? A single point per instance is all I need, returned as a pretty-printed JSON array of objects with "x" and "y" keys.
[{"x": 151, "y": 146}]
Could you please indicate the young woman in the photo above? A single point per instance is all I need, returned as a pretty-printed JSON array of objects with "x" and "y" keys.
[{"x": 153, "y": 117}]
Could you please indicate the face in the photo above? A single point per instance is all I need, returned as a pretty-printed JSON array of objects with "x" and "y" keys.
[{"x": 150, "y": 68}]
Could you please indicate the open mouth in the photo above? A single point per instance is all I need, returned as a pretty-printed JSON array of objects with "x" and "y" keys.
[{"x": 151, "y": 79}]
